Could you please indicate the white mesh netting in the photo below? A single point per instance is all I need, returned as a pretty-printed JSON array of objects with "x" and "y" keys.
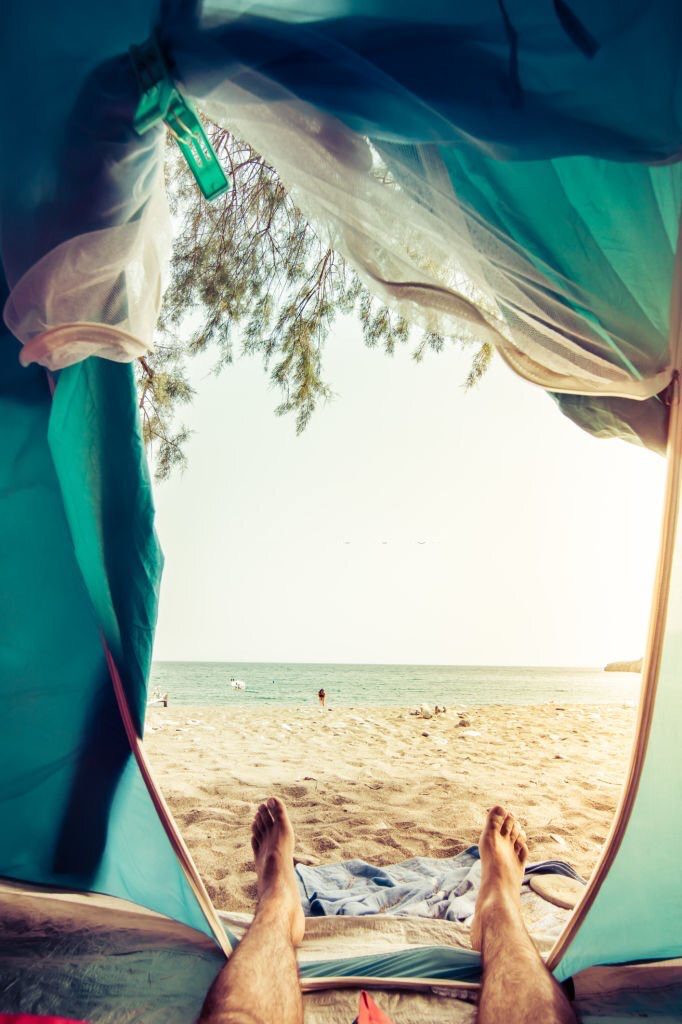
[{"x": 392, "y": 213}]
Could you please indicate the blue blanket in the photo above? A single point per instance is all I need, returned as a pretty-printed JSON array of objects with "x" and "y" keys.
[{"x": 420, "y": 887}]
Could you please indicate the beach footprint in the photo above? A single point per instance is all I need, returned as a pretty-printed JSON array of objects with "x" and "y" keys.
[
  {"x": 325, "y": 844},
  {"x": 292, "y": 793}
]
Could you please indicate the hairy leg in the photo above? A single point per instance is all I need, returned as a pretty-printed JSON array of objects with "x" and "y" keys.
[
  {"x": 259, "y": 984},
  {"x": 517, "y": 987}
]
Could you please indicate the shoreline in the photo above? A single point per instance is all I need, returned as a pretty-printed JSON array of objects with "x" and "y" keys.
[
  {"x": 311, "y": 704},
  {"x": 383, "y": 785}
]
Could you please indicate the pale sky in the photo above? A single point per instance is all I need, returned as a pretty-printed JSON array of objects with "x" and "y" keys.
[{"x": 412, "y": 523}]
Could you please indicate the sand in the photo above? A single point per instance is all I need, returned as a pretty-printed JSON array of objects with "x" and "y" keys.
[{"x": 383, "y": 785}]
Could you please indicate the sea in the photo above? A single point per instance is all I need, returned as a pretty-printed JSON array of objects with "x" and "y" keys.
[{"x": 209, "y": 683}]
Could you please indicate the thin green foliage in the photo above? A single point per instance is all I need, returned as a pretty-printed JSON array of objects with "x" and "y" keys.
[{"x": 249, "y": 267}]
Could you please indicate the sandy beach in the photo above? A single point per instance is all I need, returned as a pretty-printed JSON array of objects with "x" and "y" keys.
[{"x": 384, "y": 785}]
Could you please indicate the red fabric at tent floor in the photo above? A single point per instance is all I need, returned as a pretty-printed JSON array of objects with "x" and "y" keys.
[
  {"x": 369, "y": 1012},
  {"x": 28, "y": 1018}
]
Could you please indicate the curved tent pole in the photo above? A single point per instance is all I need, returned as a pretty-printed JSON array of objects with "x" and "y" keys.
[
  {"x": 468, "y": 990},
  {"x": 650, "y": 673},
  {"x": 177, "y": 842}
]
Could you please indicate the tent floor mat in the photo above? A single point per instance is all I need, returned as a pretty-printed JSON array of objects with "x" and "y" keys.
[{"x": 107, "y": 961}]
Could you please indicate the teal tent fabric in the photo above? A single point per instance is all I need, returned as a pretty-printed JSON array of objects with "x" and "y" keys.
[
  {"x": 637, "y": 912},
  {"x": 524, "y": 86},
  {"x": 610, "y": 280},
  {"x": 101, "y": 466},
  {"x": 641, "y": 423},
  {"x": 79, "y": 561},
  {"x": 86, "y": 168},
  {"x": 572, "y": 219}
]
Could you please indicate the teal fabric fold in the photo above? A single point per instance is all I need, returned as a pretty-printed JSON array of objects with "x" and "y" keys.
[
  {"x": 100, "y": 462},
  {"x": 438, "y": 962},
  {"x": 79, "y": 562}
]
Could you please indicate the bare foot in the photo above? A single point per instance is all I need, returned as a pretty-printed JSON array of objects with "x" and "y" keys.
[
  {"x": 272, "y": 841},
  {"x": 503, "y": 857}
]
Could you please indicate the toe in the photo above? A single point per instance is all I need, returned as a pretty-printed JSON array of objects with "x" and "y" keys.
[
  {"x": 514, "y": 834},
  {"x": 496, "y": 816},
  {"x": 264, "y": 817},
  {"x": 276, "y": 808},
  {"x": 507, "y": 825}
]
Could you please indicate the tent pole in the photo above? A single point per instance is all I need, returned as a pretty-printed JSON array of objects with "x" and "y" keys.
[
  {"x": 468, "y": 990},
  {"x": 650, "y": 672},
  {"x": 177, "y": 842}
]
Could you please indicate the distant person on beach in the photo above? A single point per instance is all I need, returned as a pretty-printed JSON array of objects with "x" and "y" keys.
[
  {"x": 516, "y": 987},
  {"x": 321, "y": 696}
]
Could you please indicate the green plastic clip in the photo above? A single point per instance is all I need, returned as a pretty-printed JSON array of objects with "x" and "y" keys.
[{"x": 161, "y": 100}]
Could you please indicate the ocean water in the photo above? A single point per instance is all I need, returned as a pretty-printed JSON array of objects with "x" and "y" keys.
[{"x": 208, "y": 682}]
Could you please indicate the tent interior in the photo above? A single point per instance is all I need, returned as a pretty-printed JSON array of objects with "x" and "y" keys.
[{"x": 531, "y": 197}]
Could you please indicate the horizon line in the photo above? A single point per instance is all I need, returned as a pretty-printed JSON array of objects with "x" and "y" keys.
[{"x": 379, "y": 664}]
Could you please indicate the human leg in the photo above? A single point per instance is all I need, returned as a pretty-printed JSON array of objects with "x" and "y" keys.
[
  {"x": 517, "y": 987},
  {"x": 259, "y": 984}
]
